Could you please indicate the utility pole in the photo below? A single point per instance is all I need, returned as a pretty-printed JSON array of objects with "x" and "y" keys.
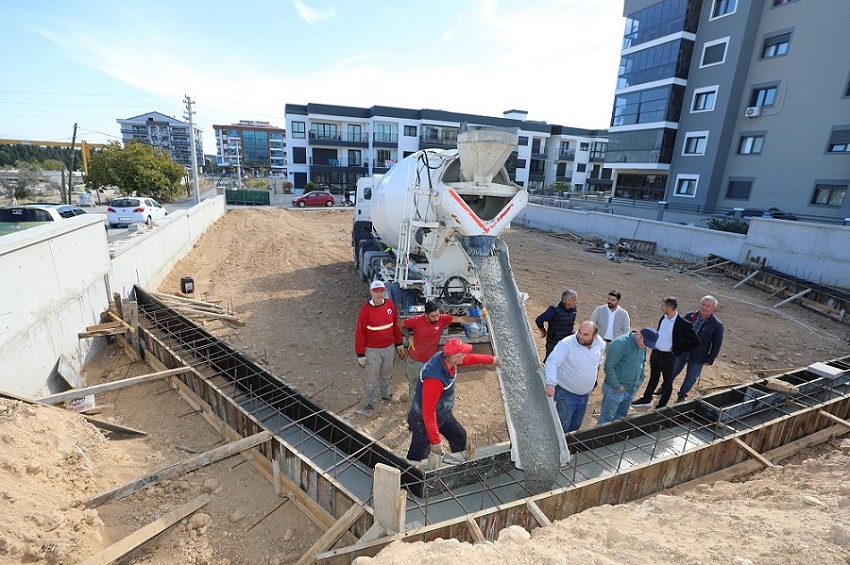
[
  {"x": 189, "y": 115},
  {"x": 238, "y": 167},
  {"x": 71, "y": 168}
]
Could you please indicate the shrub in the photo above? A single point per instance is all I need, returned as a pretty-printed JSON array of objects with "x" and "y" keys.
[{"x": 733, "y": 225}]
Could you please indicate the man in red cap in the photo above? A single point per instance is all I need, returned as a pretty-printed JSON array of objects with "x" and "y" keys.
[
  {"x": 431, "y": 413},
  {"x": 376, "y": 337}
]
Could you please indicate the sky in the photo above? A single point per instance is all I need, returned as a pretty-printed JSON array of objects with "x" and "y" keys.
[{"x": 93, "y": 62}]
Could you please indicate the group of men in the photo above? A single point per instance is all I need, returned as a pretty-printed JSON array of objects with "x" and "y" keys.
[
  {"x": 573, "y": 359},
  {"x": 571, "y": 363}
]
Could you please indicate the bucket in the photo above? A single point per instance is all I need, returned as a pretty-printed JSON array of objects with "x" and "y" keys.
[{"x": 187, "y": 285}]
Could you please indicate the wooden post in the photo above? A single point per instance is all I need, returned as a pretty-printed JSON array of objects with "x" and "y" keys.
[
  {"x": 746, "y": 279},
  {"x": 753, "y": 453},
  {"x": 333, "y": 534},
  {"x": 474, "y": 530},
  {"x": 796, "y": 296},
  {"x": 538, "y": 514},
  {"x": 389, "y": 506}
]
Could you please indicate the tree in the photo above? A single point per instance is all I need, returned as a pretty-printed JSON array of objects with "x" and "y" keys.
[
  {"x": 137, "y": 168},
  {"x": 28, "y": 175},
  {"x": 733, "y": 225},
  {"x": 556, "y": 188}
]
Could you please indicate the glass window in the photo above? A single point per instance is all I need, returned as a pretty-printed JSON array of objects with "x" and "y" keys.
[
  {"x": 581, "y": 167},
  {"x": 750, "y": 144},
  {"x": 763, "y": 96},
  {"x": 776, "y": 46},
  {"x": 298, "y": 130},
  {"x": 410, "y": 131},
  {"x": 723, "y": 7},
  {"x": 299, "y": 155},
  {"x": 829, "y": 194},
  {"x": 704, "y": 99},
  {"x": 658, "y": 20},
  {"x": 739, "y": 189},
  {"x": 522, "y": 141},
  {"x": 355, "y": 132},
  {"x": 686, "y": 185},
  {"x": 668, "y": 60},
  {"x": 695, "y": 143},
  {"x": 714, "y": 52},
  {"x": 782, "y": 2},
  {"x": 584, "y": 147},
  {"x": 839, "y": 141}
]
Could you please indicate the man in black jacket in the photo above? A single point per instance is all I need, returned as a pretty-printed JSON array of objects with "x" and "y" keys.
[
  {"x": 710, "y": 330},
  {"x": 561, "y": 318},
  {"x": 675, "y": 337}
]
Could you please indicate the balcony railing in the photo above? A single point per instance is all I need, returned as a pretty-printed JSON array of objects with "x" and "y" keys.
[
  {"x": 347, "y": 137},
  {"x": 567, "y": 155},
  {"x": 340, "y": 162},
  {"x": 382, "y": 137}
]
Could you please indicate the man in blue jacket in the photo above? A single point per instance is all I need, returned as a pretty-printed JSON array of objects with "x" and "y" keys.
[
  {"x": 624, "y": 367},
  {"x": 710, "y": 329},
  {"x": 561, "y": 318}
]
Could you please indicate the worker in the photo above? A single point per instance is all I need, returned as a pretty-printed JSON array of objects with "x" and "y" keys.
[
  {"x": 571, "y": 373},
  {"x": 624, "y": 367},
  {"x": 433, "y": 401},
  {"x": 561, "y": 318},
  {"x": 611, "y": 319},
  {"x": 425, "y": 341},
  {"x": 375, "y": 336}
]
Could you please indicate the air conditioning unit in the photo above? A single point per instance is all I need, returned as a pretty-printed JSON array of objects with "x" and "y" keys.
[{"x": 753, "y": 112}]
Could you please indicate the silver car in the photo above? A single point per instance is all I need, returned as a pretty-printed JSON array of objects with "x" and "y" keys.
[{"x": 134, "y": 210}]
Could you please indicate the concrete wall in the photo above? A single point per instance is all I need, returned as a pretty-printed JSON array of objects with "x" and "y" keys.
[
  {"x": 815, "y": 252},
  {"x": 56, "y": 279}
]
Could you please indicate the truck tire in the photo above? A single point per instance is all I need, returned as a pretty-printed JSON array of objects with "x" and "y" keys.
[{"x": 365, "y": 246}]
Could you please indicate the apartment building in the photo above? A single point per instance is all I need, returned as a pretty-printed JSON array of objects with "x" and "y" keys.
[
  {"x": 259, "y": 148},
  {"x": 725, "y": 104},
  {"x": 332, "y": 146},
  {"x": 166, "y": 133}
]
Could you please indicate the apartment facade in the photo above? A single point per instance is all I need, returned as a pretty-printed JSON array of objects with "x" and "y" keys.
[
  {"x": 725, "y": 104},
  {"x": 332, "y": 146},
  {"x": 166, "y": 133},
  {"x": 258, "y": 148}
]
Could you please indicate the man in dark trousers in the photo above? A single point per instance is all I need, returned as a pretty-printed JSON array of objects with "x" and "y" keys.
[
  {"x": 431, "y": 413},
  {"x": 710, "y": 330},
  {"x": 675, "y": 337},
  {"x": 561, "y": 318}
]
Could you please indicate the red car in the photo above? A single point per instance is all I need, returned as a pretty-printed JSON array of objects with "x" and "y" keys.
[{"x": 315, "y": 198}]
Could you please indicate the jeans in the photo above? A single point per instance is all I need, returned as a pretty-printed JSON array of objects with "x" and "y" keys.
[
  {"x": 379, "y": 371},
  {"x": 691, "y": 374},
  {"x": 413, "y": 369},
  {"x": 420, "y": 445},
  {"x": 615, "y": 405},
  {"x": 571, "y": 408},
  {"x": 660, "y": 366}
]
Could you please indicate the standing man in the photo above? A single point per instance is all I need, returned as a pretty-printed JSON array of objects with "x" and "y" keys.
[
  {"x": 561, "y": 318},
  {"x": 571, "y": 373},
  {"x": 427, "y": 329},
  {"x": 675, "y": 337},
  {"x": 431, "y": 412},
  {"x": 624, "y": 365},
  {"x": 612, "y": 320},
  {"x": 710, "y": 329},
  {"x": 375, "y": 336}
]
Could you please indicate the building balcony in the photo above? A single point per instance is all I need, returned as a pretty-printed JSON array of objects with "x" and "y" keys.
[
  {"x": 567, "y": 155},
  {"x": 536, "y": 176},
  {"x": 335, "y": 165},
  {"x": 438, "y": 142},
  {"x": 380, "y": 139},
  {"x": 564, "y": 178},
  {"x": 339, "y": 139},
  {"x": 597, "y": 157}
]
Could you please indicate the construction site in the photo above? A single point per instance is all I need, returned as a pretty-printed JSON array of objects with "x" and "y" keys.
[{"x": 224, "y": 425}]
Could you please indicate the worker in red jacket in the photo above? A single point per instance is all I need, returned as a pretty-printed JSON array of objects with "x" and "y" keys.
[
  {"x": 376, "y": 335},
  {"x": 431, "y": 413}
]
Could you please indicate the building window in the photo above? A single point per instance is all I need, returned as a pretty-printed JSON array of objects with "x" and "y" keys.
[
  {"x": 750, "y": 145},
  {"x": 298, "y": 130},
  {"x": 522, "y": 141},
  {"x": 765, "y": 96},
  {"x": 695, "y": 143},
  {"x": 299, "y": 155},
  {"x": 410, "y": 131},
  {"x": 704, "y": 99},
  {"x": 714, "y": 52},
  {"x": 739, "y": 189},
  {"x": 581, "y": 167},
  {"x": 776, "y": 46},
  {"x": 584, "y": 147},
  {"x": 723, "y": 7},
  {"x": 782, "y": 2},
  {"x": 520, "y": 163},
  {"x": 686, "y": 185},
  {"x": 829, "y": 194},
  {"x": 839, "y": 141}
]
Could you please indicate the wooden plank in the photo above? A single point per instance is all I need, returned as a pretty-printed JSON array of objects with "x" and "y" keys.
[
  {"x": 107, "y": 325},
  {"x": 137, "y": 538},
  {"x": 474, "y": 530},
  {"x": 178, "y": 469},
  {"x": 128, "y": 348},
  {"x": 538, "y": 514},
  {"x": 386, "y": 487},
  {"x": 333, "y": 534},
  {"x": 115, "y": 385},
  {"x": 102, "y": 333},
  {"x": 753, "y": 453},
  {"x": 711, "y": 266},
  {"x": 124, "y": 324},
  {"x": 790, "y": 298},
  {"x": 746, "y": 279},
  {"x": 834, "y": 418},
  {"x": 181, "y": 299},
  {"x": 207, "y": 314}
]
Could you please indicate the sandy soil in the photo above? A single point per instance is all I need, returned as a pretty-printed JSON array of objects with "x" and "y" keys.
[{"x": 289, "y": 276}]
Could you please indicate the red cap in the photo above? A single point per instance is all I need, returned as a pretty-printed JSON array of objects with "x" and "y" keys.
[{"x": 455, "y": 346}]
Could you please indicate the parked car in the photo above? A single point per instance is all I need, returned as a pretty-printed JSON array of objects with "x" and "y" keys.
[
  {"x": 748, "y": 213},
  {"x": 134, "y": 210},
  {"x": 16, "y": 218},
  {"x": 315, "y": 198}
]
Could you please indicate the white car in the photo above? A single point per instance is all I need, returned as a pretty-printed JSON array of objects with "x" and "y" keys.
[{"x": 134, "y": 210}]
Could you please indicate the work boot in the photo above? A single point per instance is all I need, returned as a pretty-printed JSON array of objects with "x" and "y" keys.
[
  {"x": 681, "y": 399},
  {"x": 388, "y": 397},
  {"x": 366, "y": 410}
]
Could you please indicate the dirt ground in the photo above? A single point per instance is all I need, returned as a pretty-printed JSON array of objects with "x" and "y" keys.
[{"x": 288, "y": 274}]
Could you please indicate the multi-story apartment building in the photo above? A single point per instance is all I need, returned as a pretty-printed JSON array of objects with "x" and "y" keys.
[
  {"x": 166, "y": 133},
  {"x": 333, "y": 146},
  {"x": 724, "y": 104},
  {"x": 258, "y": 147}
]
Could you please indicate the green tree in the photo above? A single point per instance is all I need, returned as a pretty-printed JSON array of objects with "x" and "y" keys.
[
  {"x": 557, "y": 188},
  {"x": 28, "y": 175},
  {"x": 137, "y": 168},
  {"x": 733, "y": 225},
  {"x": 52, "y": 165}
]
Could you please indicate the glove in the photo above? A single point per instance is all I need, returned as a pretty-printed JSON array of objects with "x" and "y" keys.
[
  {"x": 435, "y": 457},
  {"x": 483, "y": 313},
  {"x": 361, "y": 361},
  {"x": 497, "y": 361},
  {"x": 400, "y": 350}
]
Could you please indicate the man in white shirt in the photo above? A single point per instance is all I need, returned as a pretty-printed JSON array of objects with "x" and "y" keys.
[
  {"x": 612, "y": 320},
  {"x": 571, "y": 370}
]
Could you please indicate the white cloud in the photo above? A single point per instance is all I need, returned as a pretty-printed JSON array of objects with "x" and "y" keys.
[{"x": 312, "y": 15}]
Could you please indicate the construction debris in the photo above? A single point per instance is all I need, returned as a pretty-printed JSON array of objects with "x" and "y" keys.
[{"x": 198, "y": 310}]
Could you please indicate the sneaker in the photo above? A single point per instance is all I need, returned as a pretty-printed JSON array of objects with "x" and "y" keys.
[
  {"x": 657, "y": 392},
  {"x": 641, "y": 402},
  {"x": 388, "y": 398},
  {"x": 366, "y": 410},
  {"x": 681, "y": 399}
]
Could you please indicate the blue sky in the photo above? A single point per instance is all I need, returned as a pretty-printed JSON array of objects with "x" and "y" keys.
[{"x": 93, "y": 62}]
